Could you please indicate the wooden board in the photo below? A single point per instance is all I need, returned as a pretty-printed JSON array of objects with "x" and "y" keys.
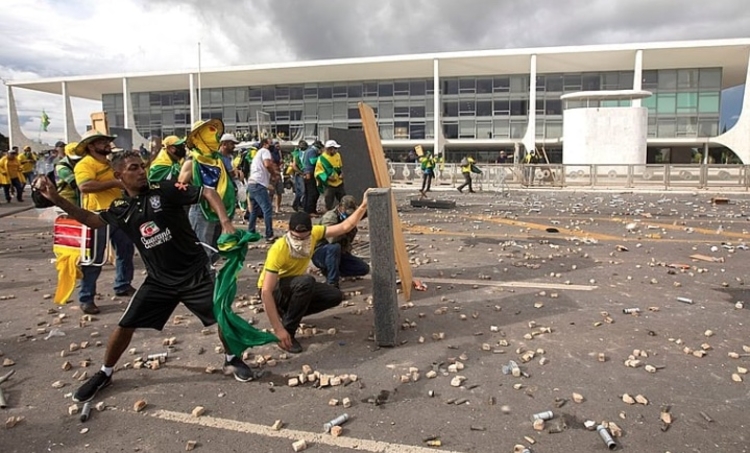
[
  {"x": 418, "y": 149},
  {"x": 99, "y": 122},
  {"x": 383, "y": 180}
]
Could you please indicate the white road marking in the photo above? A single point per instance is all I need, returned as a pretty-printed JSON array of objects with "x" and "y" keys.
[
  {"x": 509, "y": 284},
  {"x": 293, "y": 435}
]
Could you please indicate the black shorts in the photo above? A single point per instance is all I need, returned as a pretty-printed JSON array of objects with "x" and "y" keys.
[{"x": 153, "y": 304}]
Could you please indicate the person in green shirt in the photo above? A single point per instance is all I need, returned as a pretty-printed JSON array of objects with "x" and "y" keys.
[
  {"x": 65, "y": 175},
  {"x": 167, "y": 164},
  {"x": 297, "y": 175},
  {"x": 427, "y": 163}
]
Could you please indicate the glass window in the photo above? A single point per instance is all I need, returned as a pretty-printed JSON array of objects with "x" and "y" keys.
[
  {"x": 254, "y": 94},
  {"x": 501, "y": 84},
  {"x": 553, "y": 107},
  {"x": 687, "y": 126},
  {"x": 416, "y": 131},
  {"x": 484, "y": 108},
  {"x": 518, "y": 84},
  {"x": 554, "y": 83},
  {"x": 467, "y": 86},
  {"x": 466, "y": 108},
  {"x": 553, "y": 129},
  {"x": 339, "y": 91},
  {"x": 666, "y": 104},
  {"x": 484, "y": 129},
  {"x": 665, "y": 127},
  {"x": 650, "y": 79},
  {"x": 501, "y": 107},
  {"x": 240, "y": 96},
  {"x": 370, "y": 89},
  {"x": 708, "y": 128},
  {"x": 450, "y": 86},
  {"x": 325, "y": 92},
  {"x": 539, "y": 129},
  {"x": 417, "y": 111},
  {"x": 325, "y": 112},
  {"x": 484, "y": 86},
  {"x": 230, "y": 113},
  {"x": 687, "y": 102},
  {"x": 282, "y": 93},
  {"x": 450, "y": 130},
  {"x": 429, "y": 106},
  {"x": 450, "y": 108},
  {"x": 310, "y": 111},
  {"x": 590, "y": 82},
  {"x": 667, "y": 80},
  {"x": 241, "y": 115},
  {"x": 649, "y": 103},
  {"x": 401, "y": 130},
  {"x": 417, "y": 87},
  {"x": 572, "y": 82},
  {"x": 340, "y": 109},
  {"x": 229, "y": 96},
  {"x": 401, "y": 112},
  {"x": 385, "y": 89},
  {"x": 540, "y": 106},
  {"x": 311, "y": 92},
  {"x": 353, "y": 113},
  {"x": 401, "y": 88},
  {"x": 652, "y": 126},
  {"x": 295, "y": 114},
  {"x": 429, "y": 86},
  {"x": 501, "y": 128},
  {"x": 519, "y": 107},
  {"x": 467, "y": 129},
  {"x": 385, "y": 109},
  {"x": 708, "y": 103},
  {"x": 540, "y": 84},
  {"x": 687, "y": 78},
  {"x": 610, "y": 80},
  {"x": 296, "y": 93},
  {"x": 710, "y": 78},
  {"x": 217, "y": 96},
  {"x": 155, "y": 99},
  {"x": 429, "y": 130},
  {"x": 517, "y": 128},
  {"x": 354, "y": 91},
  {"x": 386, "y": 131},
  {"x": 268, "y": 93}
]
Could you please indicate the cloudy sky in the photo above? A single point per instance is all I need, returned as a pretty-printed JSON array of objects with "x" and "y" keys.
[{"x": 48, "y": 38}]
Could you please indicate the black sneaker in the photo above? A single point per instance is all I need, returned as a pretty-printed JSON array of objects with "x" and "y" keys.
[
  {"x": 125, "y": 292},
  {"x": 90, "y": 309},
  {"x": 296, "y": 347},
  {"x": 88, "y": 391},
  {"x": 241, "y": 371}
]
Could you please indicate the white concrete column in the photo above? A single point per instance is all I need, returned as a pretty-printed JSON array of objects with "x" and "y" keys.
[
  {"x": 637, "y": 76},
  {"x": 12, "y": 114},
  {"x": 69, "y": 125},
  {"x": 529, "y": 139},
  {"x": 193, "y": 101},
  {"x": 126, "y": 104},
  {"x": 436, "y": 124},
  {"x": 738, "y": 137}
]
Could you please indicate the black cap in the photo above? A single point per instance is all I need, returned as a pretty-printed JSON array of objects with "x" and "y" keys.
[
  {"x": 300, "y": 222},
  {"x": 302, "y": 144},
  {"x": 60, "y": 144},
  {"x": 318, "y": 144}
]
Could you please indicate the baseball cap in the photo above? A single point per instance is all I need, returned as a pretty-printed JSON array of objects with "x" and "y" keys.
[
  {"x": 349, "y": 204},
  {"x": 228, "y": 138},
  {"x": 60, "y": 144},
  {"x": 332, "y": 144},
  {"x": 172, "y": 140},
  {"x": 300, "y": 222}
]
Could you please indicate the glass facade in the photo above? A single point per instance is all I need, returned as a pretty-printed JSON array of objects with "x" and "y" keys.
[{"x": 685, "y": 103}]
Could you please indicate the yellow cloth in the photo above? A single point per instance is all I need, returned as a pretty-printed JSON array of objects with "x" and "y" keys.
[
  {"x": 279, "y": 260},
  {"x": 467, "y": 168},
  {"x": 4, "y": 179},
  {"x": 90, "y": 169},
  {"x": 67, "y": 272},
  {"x": 28, "y": 162},
  {"x": 13, "y": 168},
  {"x": 328, "y": 168}
]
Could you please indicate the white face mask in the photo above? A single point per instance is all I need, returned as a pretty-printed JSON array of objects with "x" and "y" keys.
[{"x": 298, "y": 248}]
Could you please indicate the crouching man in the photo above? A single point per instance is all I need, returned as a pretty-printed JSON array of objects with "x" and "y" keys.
[
  {"x": 288, "y": 292},
  {"x": 334, "y": 257},
  {"x": 154, "y": 218}
]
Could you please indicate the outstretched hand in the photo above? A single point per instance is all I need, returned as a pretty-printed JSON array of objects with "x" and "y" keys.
[{"x": 45, "y": 187}]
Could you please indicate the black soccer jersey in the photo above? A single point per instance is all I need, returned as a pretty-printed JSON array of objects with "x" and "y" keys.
[{"x": 158, "y": 225}]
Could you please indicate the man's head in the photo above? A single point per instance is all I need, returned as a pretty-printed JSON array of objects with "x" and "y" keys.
[
  {"x": 227, "y": 143},
  {"x": 302, "y": 145},
  {"x": 13, "y": 153},
  {"x": 60, "y": 148},
  {"x": 502, "y": 153},
  {"x": 332, "y": 146},
  {"x": 175, "y": 146},
  {"x": 265, "y": 143},
  {"x": 95, "y": 143},
  {"x": 27, "y": 149},
  {"x": 300, "y": 225},
  {"x": 131, "y": 170},
  {"x": 347, "y": 206}
]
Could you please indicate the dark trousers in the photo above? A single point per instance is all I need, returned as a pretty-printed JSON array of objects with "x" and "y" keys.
[
  {"x": 16, "y": 183},
  {"x": 333, "y": 194},
  {"x": 299, "y": 192},
  {"x": 124, "y": 250},
  {"x": 297, "y": 297},
  {"x": 426, "y": 181},
  {"x": 335, "y": 264},
  {"x": 467, "y": 182},
  {"x": 311, "y": 196}
]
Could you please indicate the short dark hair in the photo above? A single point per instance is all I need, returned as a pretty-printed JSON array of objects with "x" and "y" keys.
[
  {"x": 265, "y": 141},
  {"x": 119, "y": 159}
]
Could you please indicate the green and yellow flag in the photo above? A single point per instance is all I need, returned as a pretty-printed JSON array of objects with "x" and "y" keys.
[{"x": 45, "y": 121}]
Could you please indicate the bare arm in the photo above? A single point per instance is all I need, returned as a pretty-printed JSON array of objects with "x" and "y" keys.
[
  {"x": 186, "y": 172},
  {"x": 100, "y": 186},
  {"x": 88, "y": 218},
  {"x": 213, "y": 199},
  {"x": 350, "y": 222},
  {"x": 270, "y": 280}
]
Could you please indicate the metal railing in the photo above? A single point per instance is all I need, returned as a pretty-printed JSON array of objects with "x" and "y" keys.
[{"x": 497, "y": 177}]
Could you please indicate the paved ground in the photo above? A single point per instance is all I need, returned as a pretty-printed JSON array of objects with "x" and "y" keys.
[{"x": 496, "y": 280}]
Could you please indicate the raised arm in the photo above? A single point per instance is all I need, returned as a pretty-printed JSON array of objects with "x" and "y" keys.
[
  {"x": 48, "y": 190},
  {"x": 350, "y": 222},
  {"x": 186, "y": 172}
]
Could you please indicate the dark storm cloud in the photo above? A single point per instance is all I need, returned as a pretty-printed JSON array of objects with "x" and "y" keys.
[{"x": 317, "y": 29}]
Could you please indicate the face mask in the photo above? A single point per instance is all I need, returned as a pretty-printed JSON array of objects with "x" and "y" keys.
[
  {"x": 299, "y": 248},
  {"x": 180, "y": 151}
]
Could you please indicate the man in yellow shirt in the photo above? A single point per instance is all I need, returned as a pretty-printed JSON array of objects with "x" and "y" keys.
[
  {"x": 10, "y": 168},
  {"x": 99, "y": 188},
  {"x": 288, "y": 292},
  {"x": 28, "y": 163}
]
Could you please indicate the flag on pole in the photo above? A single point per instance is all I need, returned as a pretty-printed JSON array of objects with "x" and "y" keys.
[{"x": 45, "y": 121}]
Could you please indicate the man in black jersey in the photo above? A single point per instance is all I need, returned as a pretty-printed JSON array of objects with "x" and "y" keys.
[{"x": 154, "y": 218}]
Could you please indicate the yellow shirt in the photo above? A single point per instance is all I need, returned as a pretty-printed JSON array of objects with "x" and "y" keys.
[
  {"x": 280, "y": 261},
  {"x": 90, "y": 169},
  {"x": 28, "y": 162},
  {"x": 14, "y": 168}
]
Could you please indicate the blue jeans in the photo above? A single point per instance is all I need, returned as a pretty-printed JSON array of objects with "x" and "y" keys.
[
  {"x": 335, "y": 264},
  {"x": 299, "y": 192},
  {"x": 258, "y": 194},
  {"x": 207, "y": 232},
  {"x": 123, "y": 264}
]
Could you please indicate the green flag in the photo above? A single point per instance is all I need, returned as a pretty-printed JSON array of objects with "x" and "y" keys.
[
  {"x": 45, "y": 121},
  {"x": 237, "y": 332}
]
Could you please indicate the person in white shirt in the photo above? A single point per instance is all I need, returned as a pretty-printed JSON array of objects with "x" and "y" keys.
[{"x": 263, "y": 175}]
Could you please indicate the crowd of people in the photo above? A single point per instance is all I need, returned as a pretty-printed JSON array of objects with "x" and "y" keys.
[{"x": 178, "y": 203}]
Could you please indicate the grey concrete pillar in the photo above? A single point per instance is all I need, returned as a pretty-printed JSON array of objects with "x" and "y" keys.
[
  {"x": 436, "y": 109},
  {"x": 385, "y": 300},
  {"x": 529, "y": 139},
  {"x": 638, "y": 76}
]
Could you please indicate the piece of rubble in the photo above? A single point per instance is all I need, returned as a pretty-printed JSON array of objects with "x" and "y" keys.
[
  {"x": 139, "y": 405},
  {"x": 346, "y": 402},
  {"x": 666, "y": 417},
  {"x": 627, "y": 399},
  {"x": 73, "y": 409},
  {"x": 601, "y": 357},
  {"x": 8, "y": 362},
  {"x": 589, "y": 424},
  {"x": 741, "y": 370},
  {"x": 538, "y": 425},
  {"x": 100, "y": 406},
  {"x": 67, "y": 366},
  {"x": 578, "y": 398},
  {"x": 198, "y": 411},
  {"x": 337, "y": 431},
  {"x": 708, "y": 333},
  {"x": 650, "y": 368},
  {"x": 614, "y": 429},
  {"x": 736, "y": 377},
  {"x": 299, "y": 445},
  {"x": 190, "y": 445},
  {"x": 457, "y": 381},
  {"x": 432, "y": 374},
  {"x": 640, "y": 399},
  {"x": 699, "y": 353},
  {"x": 733, "y": 355},
  {"x": 58, "y": 384},
  {"x": 12, "y": 421},
  {"x": 277, "y": 425},
  {"x": 293, "y": 382}
]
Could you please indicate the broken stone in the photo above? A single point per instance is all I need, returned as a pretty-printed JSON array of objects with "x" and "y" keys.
[
  {"x": 100, "y": 406},
  {"x": 736, "y": 377},
  {"x": 432, "y": 374},
  {"x": 650, "y": 368},
  {"x": 708, "y": 333},
  {"x": 58, "y": 384},
  {"x": 198, "y": 411},
  {"x": 538, "y": 425},
  {"x": 346, "y": 402},
  {"x": 139, "y": 405},
  {"x": 589, "y": 424},
  {"x": 741, "y": 370},
  {"x": 190, "y": 445},
  {"x": 457, "y": 381},
  {"x": 67, "y": 366},
  {"x": 601, "y": 357},
  {"x": 277, "y": 425},
  {"x": 12, "y": 421},
  {"x": 73, "y": 409},
  {"x": 294, "y": 382},
  {"x": 699, "y": 353},
  {"x": 578, "y": 398},
  {"x": 627, "y": 399},
  {"x": 640, "y": 399},
  {"x": 333, "y": 402},
  {"x": 299, "y": 445},
  {"x": 666, "y": 417},
  {"x": 337, "y": 431},
  {"x": 614, "y": 429},
  {"x": 83, "y": 376}
]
